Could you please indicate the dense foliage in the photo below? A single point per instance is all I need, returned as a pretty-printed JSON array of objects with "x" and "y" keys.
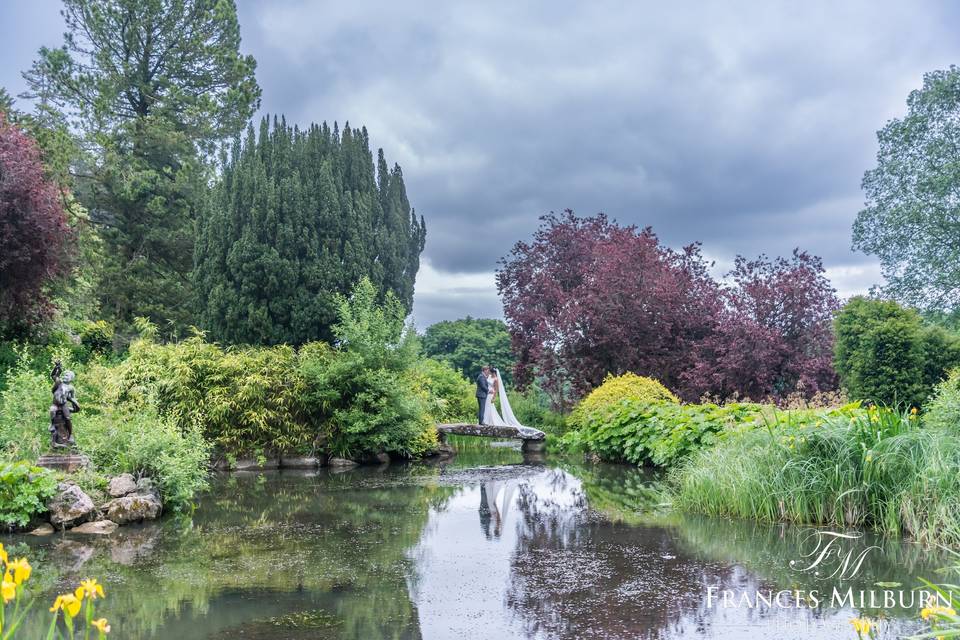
[
  {"x": 844, "y": 468},
  {"x": 243, "y": 400},
  {"x": 774, "y": 335},
  {"x": 578, "y": 308},
  {"x": 369, "y": 393},
  {"x": 588, "y": 297},
  {"x": 151, "y": 85},
  {"x": 24, "y": 491},
  {"x": 298, "y": 218},
  {"x": 913, "y": 198},
  {"x": 655, "y": 433},
  {"x": 35, "y": 239},
  {"x": 887, "y": 354},
  {"x": 470, "y": 343}
]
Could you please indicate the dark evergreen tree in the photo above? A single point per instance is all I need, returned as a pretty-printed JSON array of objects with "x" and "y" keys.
[{"x": 298, "y": 217}]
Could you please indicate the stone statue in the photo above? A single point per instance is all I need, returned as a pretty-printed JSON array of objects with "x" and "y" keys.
[{"x": 64, "y": 404}]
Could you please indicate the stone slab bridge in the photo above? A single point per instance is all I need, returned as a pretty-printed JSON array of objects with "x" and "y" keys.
[{"x": 534, "y": 440}]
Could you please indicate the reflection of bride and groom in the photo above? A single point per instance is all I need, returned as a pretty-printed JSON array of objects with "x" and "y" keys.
[
  {"x": 490, "y": 511},
  {"x": 490, "y": 384}
]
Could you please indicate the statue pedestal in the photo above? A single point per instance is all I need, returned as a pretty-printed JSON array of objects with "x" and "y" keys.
[{"x": 64, "y": 462}]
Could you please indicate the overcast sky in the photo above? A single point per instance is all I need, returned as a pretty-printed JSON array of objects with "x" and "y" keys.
[{"x": 746, "y": 126}]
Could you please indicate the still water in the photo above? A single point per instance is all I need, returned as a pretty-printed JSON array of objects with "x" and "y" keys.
[{"x": 481, "y": 547}]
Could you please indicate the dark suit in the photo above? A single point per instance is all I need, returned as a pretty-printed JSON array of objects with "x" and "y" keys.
[{"x": 483, "y": 389}]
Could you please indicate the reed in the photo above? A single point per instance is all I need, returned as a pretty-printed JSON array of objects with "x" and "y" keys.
[{"x": 873, "y": 468}]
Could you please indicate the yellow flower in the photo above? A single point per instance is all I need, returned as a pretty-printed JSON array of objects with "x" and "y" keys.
[
  {"x": 68, "y": 603},
  {"x": 861, "y": 625},
  {"x": 90, "y": 588},
  {"x": 21, "y": 570},
  {"x": 8, "y": 590},
  {"x": 3, "y": 553},
  {"x": 930, "y": 611},
  {"x": 913, "y": 411},
  {"x": 869, "y": 457},
  {"x": 100, "y": 625}
]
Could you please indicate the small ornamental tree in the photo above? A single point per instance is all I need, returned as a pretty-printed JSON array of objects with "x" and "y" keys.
[{"x": 35, "y": 239}]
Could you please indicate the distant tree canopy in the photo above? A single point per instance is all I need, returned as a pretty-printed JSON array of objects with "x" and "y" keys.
[
  {"x": 299, "y": 217},
  {"x": 35, "y": 239},
  {"x": 588, "y": 297},
  {"x": 887, "y": 354},
  {"x": 469, "y": 343},
  {"x": 152, "y": 87},
  {"x": 912, "y": 217}
]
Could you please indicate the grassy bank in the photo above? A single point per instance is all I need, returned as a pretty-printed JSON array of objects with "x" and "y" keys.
[
  {"x": 897, "y": 472},
  {"x": 875, "y": 469}
]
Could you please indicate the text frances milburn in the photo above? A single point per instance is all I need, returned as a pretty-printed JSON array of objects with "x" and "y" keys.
[
  {"x": 828, "y": 556},
  {"x": 814, "y": 599}
]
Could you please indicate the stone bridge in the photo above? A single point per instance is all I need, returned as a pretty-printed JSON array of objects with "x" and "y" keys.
[{"x": 533, "y": 439}]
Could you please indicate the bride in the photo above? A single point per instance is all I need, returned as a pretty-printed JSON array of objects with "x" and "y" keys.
[{"x": 491, "y": 417}]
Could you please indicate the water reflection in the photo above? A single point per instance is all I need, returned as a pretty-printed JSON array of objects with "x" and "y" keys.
[{"x": 457, "y": 550}]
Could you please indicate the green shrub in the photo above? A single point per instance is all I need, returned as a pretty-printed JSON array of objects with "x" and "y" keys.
[
  {"x": 534, "y": 408},
  {"x": 368, "y": 394},
  {"x": 616, "y": 389},
  {"x": 97, "y": 336},
  {"x": 849, "y": 467},
  {"x": 659, "y": 434},
  {"x": 888, "y": 355},
  {"x": 449, "y": 396},
  {"x": 24, "y": 491},
  {"x": 136, "y": 440},
  {"x": 243, "y": 399},
  {"x": 943, "y": 409}
]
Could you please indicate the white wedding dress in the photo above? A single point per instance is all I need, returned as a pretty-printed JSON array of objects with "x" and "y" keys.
[{"x": 491, "y": 416}]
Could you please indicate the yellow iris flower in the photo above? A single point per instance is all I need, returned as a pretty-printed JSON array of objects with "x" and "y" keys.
[
  {"x": 68, "y": 603},
  {"x": 929, "y": 612},
  {"x": 3, "y": 554},
  {"x": 21, "y": 570},
  {"x": 90, "y": 588},
  {"x": 8, "y": 590},
  {"x": 100, "y": 625},
  {"x": 861, "y": 625}
]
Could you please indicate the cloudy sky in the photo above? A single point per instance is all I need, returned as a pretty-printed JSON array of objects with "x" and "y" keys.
[{"x": 746, "y": 126}]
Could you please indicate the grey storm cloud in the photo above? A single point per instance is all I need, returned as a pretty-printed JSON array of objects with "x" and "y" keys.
[{"x": 746, "y": 126}]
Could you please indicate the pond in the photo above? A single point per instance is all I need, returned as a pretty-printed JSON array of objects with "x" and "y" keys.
[{"x": 483, "y": 546}]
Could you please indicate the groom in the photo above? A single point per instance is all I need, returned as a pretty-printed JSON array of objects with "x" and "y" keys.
[{"x": 483, "y": 389}]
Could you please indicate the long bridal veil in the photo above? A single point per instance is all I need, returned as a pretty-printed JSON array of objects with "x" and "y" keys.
[{"x": 505, "y": 411}]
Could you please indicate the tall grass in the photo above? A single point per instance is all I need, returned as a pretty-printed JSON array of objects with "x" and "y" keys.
[{"x": 876, "y": 468}]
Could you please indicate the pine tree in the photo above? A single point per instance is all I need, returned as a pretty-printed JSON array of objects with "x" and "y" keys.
[{"x": 299, "y": 217}]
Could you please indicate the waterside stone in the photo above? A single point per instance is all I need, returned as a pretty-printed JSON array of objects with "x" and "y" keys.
[
  {"x": 122, "y": 485},
  {"x": 45, "y": 529},
  {"x": 98, "y": 527},
  {"x": 135, "y": 508},
  {"x": 71, "y": 506}
]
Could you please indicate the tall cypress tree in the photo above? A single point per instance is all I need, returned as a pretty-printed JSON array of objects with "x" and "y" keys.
[{"x": 298, "y": 217}]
